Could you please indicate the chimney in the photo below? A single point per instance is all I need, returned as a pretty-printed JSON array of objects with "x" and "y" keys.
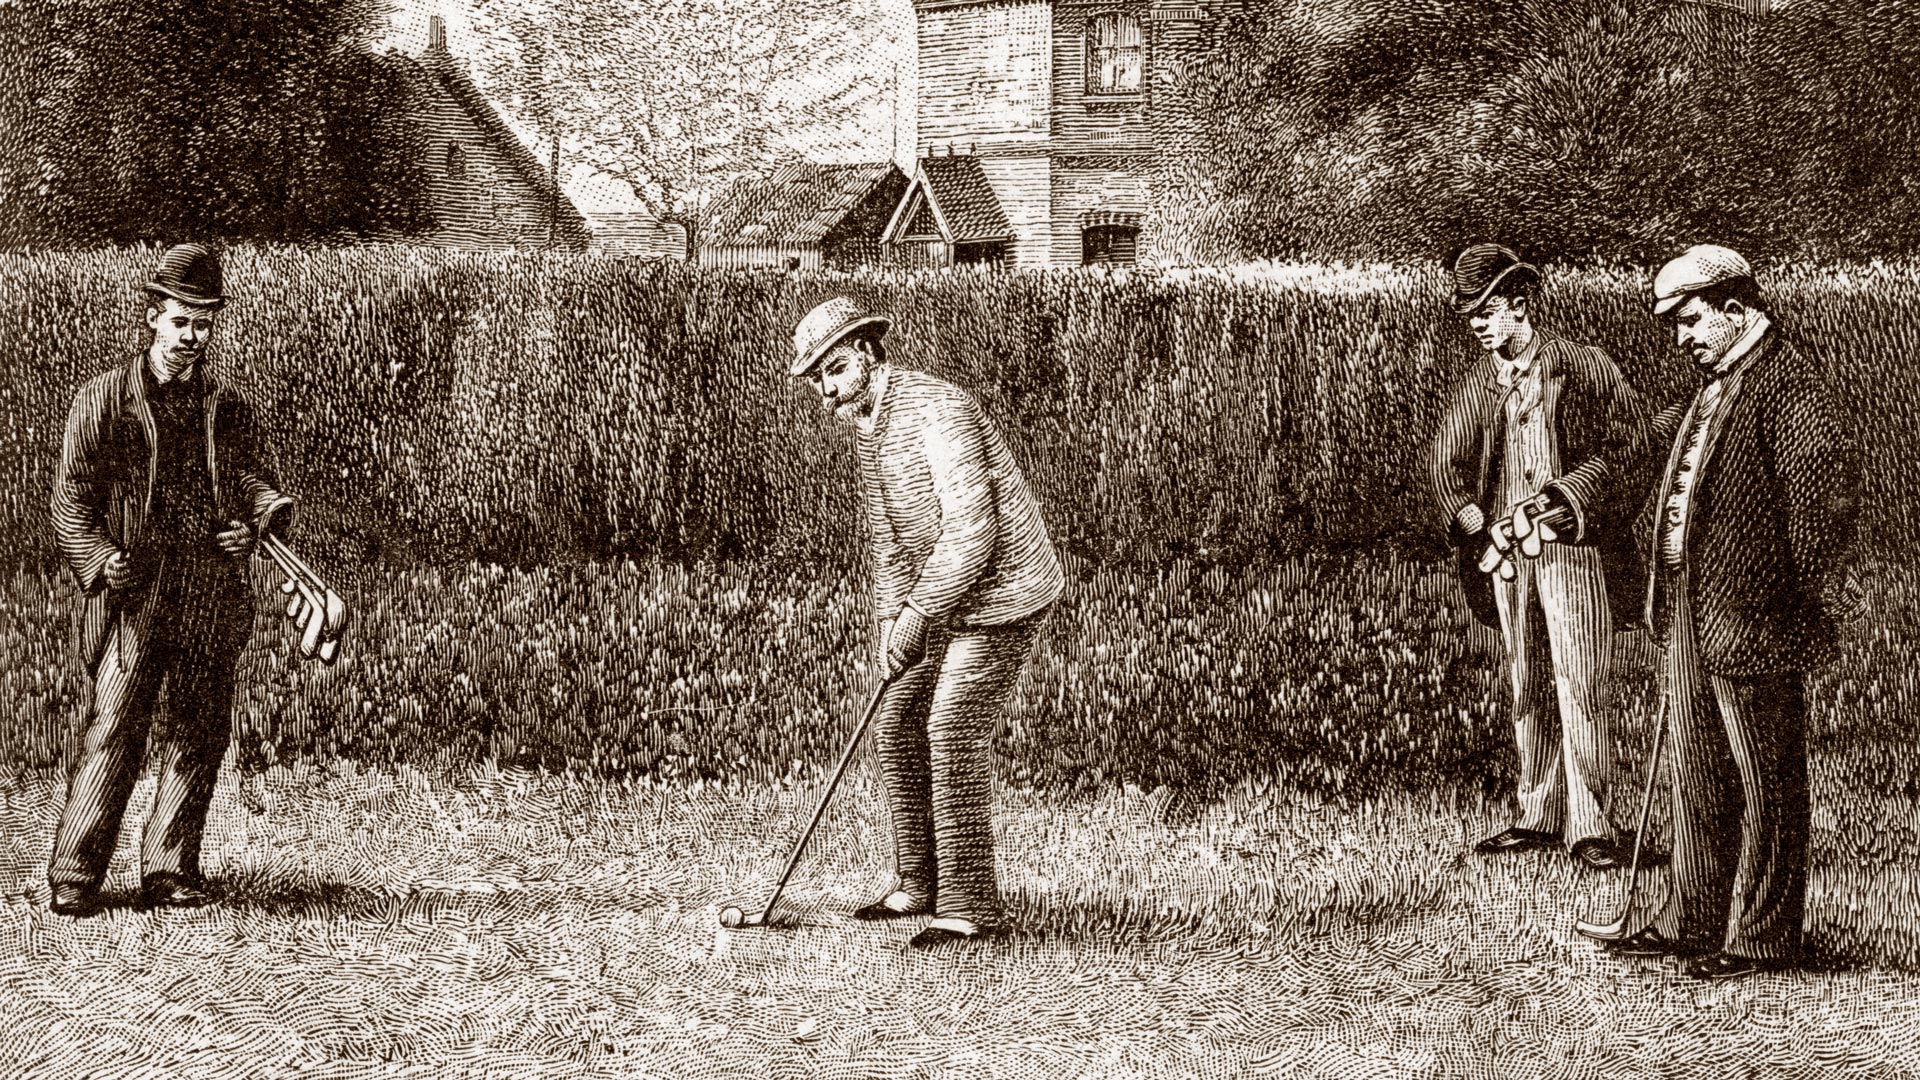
[{"x": 436, "y": 34}]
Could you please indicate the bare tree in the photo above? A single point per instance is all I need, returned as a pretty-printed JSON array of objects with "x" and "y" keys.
[{"x": 679, "y": 98}]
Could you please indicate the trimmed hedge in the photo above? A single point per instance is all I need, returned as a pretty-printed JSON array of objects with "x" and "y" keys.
[{"x": 442, "y": 408}]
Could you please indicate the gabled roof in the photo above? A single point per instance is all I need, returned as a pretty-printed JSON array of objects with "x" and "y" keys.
[
  {"x": 453, "y": 78},
  {"x": 963, "y": 204},
  {"x": 798, "y": 205}
]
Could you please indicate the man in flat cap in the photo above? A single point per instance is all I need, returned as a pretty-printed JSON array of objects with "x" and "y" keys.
[
  {"x": 1542, "y": 425},
  {"x": 963, "y": 578},
  {"x": 1752, "y": 521},
  {"x": 162, "y": 490}
]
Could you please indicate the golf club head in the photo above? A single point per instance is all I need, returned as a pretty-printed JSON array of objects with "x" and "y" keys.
[
  {"x": 1602, "y": 931},
  {"x": 733, "y": 918},
  {"x": 336, "y": 613},
  {"x": 316, "y": 625},
  {"x": 328, "y": 650}
]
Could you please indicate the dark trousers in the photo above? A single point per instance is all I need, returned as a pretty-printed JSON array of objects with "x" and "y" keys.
[
  {"x": 1740, "y": 807},
  {"x": 933, "y": 736},
  {"x": 193, "y": 656}
]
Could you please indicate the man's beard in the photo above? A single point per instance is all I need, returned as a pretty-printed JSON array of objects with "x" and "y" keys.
[
  {"x": 851, "y": 412},
  {"x": 854, "y": 409}
]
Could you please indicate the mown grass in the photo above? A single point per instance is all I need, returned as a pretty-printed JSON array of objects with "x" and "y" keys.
[{"x": 381, "y": 922}]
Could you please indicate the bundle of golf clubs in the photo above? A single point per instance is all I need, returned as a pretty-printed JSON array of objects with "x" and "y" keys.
[{"x": 312, "y": 605}]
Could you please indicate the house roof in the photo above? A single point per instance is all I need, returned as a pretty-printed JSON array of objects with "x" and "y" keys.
[
  {"x": 453, "y": 78},
  {"x": 963, "y": 203},
  {"x": 799, "y": 204}
]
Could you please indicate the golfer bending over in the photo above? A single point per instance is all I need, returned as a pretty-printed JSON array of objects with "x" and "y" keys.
[{"x": 963, "y": 577}]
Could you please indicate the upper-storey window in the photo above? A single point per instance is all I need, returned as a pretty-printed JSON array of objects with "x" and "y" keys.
[
  {"x": 456, "y": 161},
  {"x": 1113, "y": 54}
]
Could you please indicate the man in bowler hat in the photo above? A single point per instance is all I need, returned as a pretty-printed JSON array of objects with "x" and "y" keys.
[
  {"x": 163, "y": 489},
  {"x": 1751, "y": 526},
  {"x": 963, "y": 578},
  {"x": 1541, "y": 423}
]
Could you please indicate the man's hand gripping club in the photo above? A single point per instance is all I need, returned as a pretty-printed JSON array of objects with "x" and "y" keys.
[{"x": 1532, "y": 525}]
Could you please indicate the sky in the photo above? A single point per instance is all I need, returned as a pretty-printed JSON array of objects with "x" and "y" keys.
[{"x": 591, "y": 192}]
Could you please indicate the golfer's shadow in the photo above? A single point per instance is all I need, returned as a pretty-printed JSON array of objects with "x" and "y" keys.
[
  {"x": 308, "y": 898},
  {"x": 332, "y": 898}
]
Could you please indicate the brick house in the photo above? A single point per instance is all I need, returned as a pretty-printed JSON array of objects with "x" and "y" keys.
[
  {"x": 1041, "y": 124},
  {"x": 485, "y": 188}
]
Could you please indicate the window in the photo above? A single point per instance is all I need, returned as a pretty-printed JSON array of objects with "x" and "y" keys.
[
  {"x": 1109, "y": 245},
  {"x": 456, "y": 161},
  {"x": 983, "y": 253},
  {"x": 1113, "y": 54}
]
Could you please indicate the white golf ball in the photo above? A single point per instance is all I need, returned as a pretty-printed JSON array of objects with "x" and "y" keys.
[{"x": 731, "y": 917}]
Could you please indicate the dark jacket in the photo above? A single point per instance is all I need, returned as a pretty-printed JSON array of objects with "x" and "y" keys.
[
  {"x": 1599, "y": 421},
  {"x": 103, "y": 491},
  {"x": 1773, "y": 517}
]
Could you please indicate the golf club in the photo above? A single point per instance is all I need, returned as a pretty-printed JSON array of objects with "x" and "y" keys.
[
  {"x": 732, "y": 917},
  {"x": 325, "y": 614},
  {"x": 1616, "y": 929}
]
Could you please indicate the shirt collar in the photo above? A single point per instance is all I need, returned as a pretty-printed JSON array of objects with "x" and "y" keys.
[
  {"x": 869, "y": 422},
  {"x": 1744, "y": 344},
  {"x": 186, "y": 380},
  {"x": 1511, "y": 371}
]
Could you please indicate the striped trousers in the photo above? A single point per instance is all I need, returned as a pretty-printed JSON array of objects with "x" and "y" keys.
[
  {"x": 1741, "y": 814},
  {"x": 933, "y": 737},
  {"x": 1559, "y": 636}
]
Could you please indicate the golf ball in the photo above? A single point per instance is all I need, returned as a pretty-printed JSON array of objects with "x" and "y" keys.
[{"x": 731, "y": 917}]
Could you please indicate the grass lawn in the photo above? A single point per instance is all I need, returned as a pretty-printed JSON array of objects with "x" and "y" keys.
[{"x": 384, "y": 923}]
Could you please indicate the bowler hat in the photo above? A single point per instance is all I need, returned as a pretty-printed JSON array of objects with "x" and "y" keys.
[
  {"x": 1696, "y": 269},
  {"x": 190, "y": 273},
  {"x": 1480, "y": 269},
  {"x": 828, "y": 325}
]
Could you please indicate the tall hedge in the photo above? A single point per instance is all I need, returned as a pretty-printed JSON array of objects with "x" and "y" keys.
[{"x": 436, "y": 408}]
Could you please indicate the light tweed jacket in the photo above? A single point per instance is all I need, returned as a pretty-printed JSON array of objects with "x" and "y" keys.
[{"x": 955, "y": 531}]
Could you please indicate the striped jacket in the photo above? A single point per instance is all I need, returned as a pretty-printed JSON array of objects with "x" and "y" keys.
[
  {"x": 955, "y": 531},
  {"x": 103, "y": 490},
  {"x": 1597, "y": 419}
]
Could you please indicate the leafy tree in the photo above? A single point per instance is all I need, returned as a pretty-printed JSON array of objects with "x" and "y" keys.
[
  {"x": 1572, "y": 129},
  {"x": 261, "y": 119}
]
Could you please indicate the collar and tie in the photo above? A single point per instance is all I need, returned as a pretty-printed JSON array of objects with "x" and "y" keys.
[
  {"x": 1696, "y": 445},
  {"x": 1518, "y": 377}
]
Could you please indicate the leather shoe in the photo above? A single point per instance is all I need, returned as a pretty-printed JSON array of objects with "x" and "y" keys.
[
  {"x": 878, "y": 911},
  {"x": 1650, "y": 942},
  {"x": 934, "y": 937},
  {"x": 75, "y": 901},
  {"x": 1722, "y": 965},
  {"x": 1601, "y": 854},
  {"x": 175, "y": 891},
  {"x": 1517, "y": 840}
]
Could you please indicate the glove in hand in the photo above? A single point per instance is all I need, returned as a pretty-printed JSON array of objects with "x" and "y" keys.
[{"x": 908, "y": 641}]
